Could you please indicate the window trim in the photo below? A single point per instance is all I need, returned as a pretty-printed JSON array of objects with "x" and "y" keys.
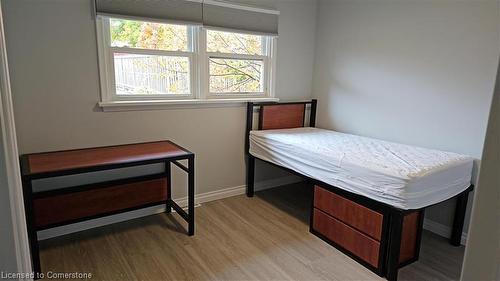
[
  {"x": 199, "y": 71},
  {"x": 107, "y": 71}
]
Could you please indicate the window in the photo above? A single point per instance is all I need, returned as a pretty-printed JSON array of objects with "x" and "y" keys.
[
  {"x": 145, "y": 60},
  {"x": 237, "y": 63}
]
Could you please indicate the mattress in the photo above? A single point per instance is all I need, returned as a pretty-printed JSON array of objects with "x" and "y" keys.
[{"x": 403, "y": 176}]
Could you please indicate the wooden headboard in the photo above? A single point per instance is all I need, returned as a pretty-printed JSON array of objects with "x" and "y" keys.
[{"x": 280, "y": 115}]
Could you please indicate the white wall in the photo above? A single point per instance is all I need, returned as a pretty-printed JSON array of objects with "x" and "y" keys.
[
  {"x": 482, "y": 254},
  {"x": 415, "y": 72}
]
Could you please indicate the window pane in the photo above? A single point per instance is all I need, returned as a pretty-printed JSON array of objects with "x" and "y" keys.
[
  {"x": 148, "y": 35},
  {"x": 235, "y": 75},
  {"x": 235, "y": 43},
  {"x": 151, "y": 75}
]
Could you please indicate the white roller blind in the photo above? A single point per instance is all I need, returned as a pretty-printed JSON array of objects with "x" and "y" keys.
[
  {"x": 188, "y": 11},
  {"x": 226, "y": 15}
]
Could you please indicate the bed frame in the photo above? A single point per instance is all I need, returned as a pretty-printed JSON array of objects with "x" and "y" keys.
[{"x": 397, "y": 226}]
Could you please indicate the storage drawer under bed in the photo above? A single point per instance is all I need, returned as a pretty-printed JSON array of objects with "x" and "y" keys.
[
  {"x": 355, "y": 215},
  {"x": 359, "y": 229},
  {"x": 361, "y": 245}
]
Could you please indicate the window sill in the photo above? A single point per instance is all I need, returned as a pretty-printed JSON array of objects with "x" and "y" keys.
[{"x": 177, "y": 104}]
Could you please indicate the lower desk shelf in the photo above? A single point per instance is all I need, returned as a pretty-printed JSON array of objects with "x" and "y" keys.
[{"x": 57, "y": 209}]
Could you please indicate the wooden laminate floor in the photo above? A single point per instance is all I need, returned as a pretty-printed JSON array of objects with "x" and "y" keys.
[{"x": 238, "y": 238}]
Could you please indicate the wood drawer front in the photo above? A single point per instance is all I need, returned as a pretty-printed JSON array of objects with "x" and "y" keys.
[
  {"x": 349, "y": 212},
  {"x": 72, "y": 206},
  {"x": 409, "y": 237},
  {"x": 347, "y": 237}
]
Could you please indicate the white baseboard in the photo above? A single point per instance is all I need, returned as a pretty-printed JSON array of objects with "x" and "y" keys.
[
  {"x": 199, "y": 199},
  {"x": 442, "y": 230},
  {"x": 76, "y": 227},
  {"x": 213, "y": 195}
]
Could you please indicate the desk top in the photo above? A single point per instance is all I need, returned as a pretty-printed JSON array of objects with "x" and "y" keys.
[{"x": 88, "y": 158}]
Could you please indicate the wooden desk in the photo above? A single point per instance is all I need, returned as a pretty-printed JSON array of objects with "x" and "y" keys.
[{"x": 47, "y": 209}]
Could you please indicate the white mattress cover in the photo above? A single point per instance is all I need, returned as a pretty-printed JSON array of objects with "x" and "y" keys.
[{"x": 406, "y": 177}]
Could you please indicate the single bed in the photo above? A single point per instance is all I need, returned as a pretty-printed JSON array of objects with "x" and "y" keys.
[
  {"x": 369, "y": 196},
  {"x": 403, "y": 176}
]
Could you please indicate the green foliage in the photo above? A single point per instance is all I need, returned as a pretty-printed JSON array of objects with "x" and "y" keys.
[
  {"x": 148, "y": 35},
  {"x": 125, "y": 31},
  {"x": 234, "y": 43}
]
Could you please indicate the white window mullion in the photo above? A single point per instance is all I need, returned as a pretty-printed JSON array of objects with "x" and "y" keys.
[
  {"x": 265, "y": 45},
  {"x": 111, "y": 63},
  {"x": 272, "y": 56},
  {"x": 105, "y": 59},
  {"x": 195, "y": 61},
  {"x": 152, "y": 52},
  {"x": 192, "y": 39},
  {"x": 203, "y": 64},
  {"x": 235, "y": 56},
  {"x": 193, "y": 88},
  {"x": 110, "y": 75},
  {"x": 265, "y": 76}
]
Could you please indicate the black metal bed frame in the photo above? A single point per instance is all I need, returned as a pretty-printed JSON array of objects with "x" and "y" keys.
[{"x": 392, "y": 217}]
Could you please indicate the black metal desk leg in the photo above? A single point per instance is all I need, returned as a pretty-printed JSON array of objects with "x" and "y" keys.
[
  {"x": 191, "y": 195},
  {"x": 250, "y": 175},
  {"x": 458, "y": 221},
  {"x": 168, "y": 205},
  {"x": 396, "y": 229},
  {"x": 31, "y": 227}
]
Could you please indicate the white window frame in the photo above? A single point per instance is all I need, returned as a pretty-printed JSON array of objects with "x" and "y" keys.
[
  {"x": 107, "y": 71},
  {"x": 199, "y": 71}
]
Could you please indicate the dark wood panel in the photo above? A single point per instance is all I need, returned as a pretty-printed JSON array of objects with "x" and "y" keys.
[
  {"x": 409, "y": 237},
  {"x": 349, "y": 212},
  {"x": 347, "y": 237},
  {"x": 284, "y": 116},
  {"x": 67, "y": 207},
  {"x": 82, "y": 158}
]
